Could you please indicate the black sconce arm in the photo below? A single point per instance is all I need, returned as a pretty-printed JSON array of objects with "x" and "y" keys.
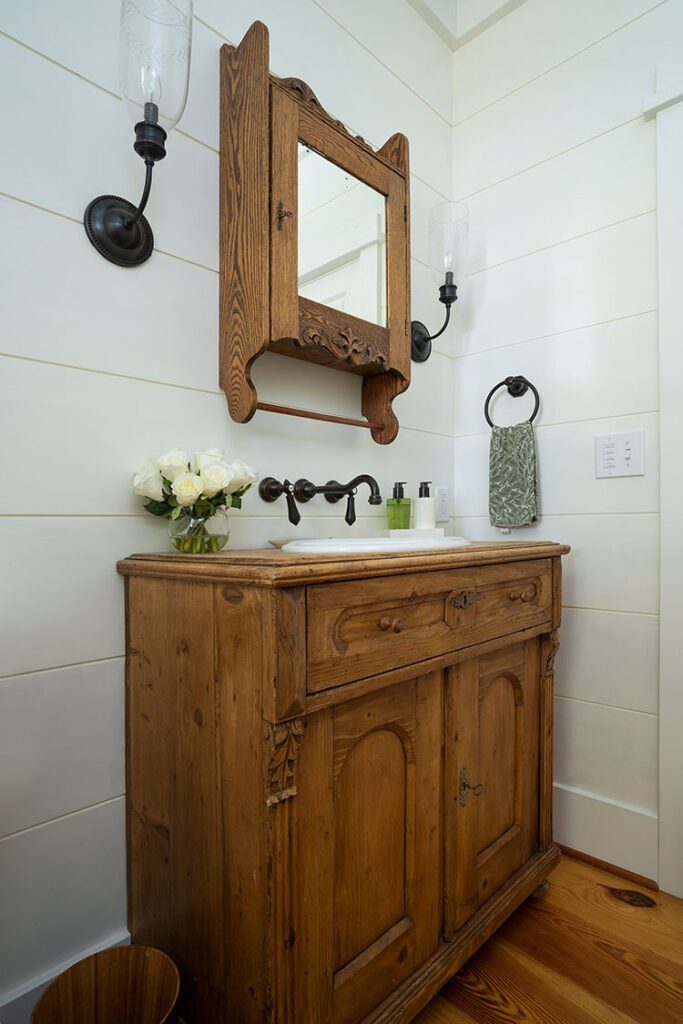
[
  {"x": 420, "y": 338},
  {"x": 149, "y": 165}
]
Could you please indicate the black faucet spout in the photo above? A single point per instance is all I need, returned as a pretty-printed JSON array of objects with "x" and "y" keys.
[{"x": 375, "y": 496}]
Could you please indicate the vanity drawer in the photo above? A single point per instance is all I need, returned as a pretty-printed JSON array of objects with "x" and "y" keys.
[{"x": 357, "y": 629}]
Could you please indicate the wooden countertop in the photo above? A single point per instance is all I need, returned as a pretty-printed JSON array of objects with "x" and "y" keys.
[{"x": 275, "y": 568}]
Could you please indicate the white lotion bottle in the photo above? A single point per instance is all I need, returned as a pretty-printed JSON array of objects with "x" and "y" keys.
[{"x": 424, "y": 508}]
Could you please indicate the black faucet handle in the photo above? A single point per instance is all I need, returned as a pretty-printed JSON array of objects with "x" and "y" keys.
[
  {"x": 293, "y": 513},
  {"x": 350, "y": 516}
]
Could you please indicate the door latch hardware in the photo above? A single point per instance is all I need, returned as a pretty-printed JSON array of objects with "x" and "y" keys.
[
  {"x": 465, "y": 599},
  {"x": 281, "y": 214},
  {"x": 476, "y": 790}
]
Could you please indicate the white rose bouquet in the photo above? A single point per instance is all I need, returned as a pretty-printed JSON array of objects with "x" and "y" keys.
[{"x": 194, "y": 499}]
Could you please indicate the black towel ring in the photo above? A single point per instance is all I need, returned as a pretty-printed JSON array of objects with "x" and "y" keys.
[{"x": 517, "y": 386}]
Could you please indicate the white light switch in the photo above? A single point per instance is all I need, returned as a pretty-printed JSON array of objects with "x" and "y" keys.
[
  {"x": 441, "y": 505},
  {"x": 620, "y": 454}
]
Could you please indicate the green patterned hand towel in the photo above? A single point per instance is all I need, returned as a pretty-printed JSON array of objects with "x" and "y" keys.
[{"x": 513, "y": 496}]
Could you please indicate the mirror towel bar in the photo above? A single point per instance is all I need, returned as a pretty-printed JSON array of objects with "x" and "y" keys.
[{"x": 287, "y": 410}]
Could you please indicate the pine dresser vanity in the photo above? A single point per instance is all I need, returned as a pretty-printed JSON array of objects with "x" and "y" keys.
[{"x": 339, "y": 770}]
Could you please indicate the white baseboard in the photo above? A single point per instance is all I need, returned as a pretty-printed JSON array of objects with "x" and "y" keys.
[
  {"x": 617, "y": 833},
  {"x": 16, "y": 1004}
]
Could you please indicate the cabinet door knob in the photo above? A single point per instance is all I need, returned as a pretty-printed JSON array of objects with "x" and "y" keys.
[
  {"x": 526, "y": 595},
  {"x": 465, "y": 599},
  {"x": 385, "y": 623},
  {"x": 397, "y": 625}
]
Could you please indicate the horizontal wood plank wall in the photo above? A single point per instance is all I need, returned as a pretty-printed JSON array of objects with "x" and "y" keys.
[
  {"x": 557, "y": 165},
  {"x": 108, "y": 368}
]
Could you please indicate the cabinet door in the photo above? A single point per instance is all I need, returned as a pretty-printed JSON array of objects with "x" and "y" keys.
[
  {"x": 367, "y": 839},
  {"x": 491, "y": 775}
]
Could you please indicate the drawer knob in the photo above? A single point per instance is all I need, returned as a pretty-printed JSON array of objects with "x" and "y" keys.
[
  {"x": 526, "y": 595},
  {"x": 386, "y": 622},
  {"x": 465, "y": 599}
]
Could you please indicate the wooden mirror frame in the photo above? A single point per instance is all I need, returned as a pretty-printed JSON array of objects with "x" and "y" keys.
[{"x": 263, "y": 118}]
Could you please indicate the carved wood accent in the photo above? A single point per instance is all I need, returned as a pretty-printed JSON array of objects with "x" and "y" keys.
[
  {"x": 355, "y": 342},
  {"x": 305, "y": 94},
  {"x": 282, "y": 768},
  {"x": 262, "y": 120},
  {"x": 551, "y": 645}
]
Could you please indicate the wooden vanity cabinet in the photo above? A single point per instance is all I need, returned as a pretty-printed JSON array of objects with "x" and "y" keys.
[{"x": 339, "y": 771}]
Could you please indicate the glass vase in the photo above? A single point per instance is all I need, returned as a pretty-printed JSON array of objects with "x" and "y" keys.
[{"x": 200, "y": 535}]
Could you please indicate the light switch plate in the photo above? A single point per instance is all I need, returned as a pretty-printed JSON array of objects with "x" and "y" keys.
[
  {"x": 441, "y": 504},
  {"x": 620, "y": 454}
]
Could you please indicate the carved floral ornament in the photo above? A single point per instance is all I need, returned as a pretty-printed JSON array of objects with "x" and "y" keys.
[
  {"x": 286, "y": 738},
  {"x": 345, "y": 346}
]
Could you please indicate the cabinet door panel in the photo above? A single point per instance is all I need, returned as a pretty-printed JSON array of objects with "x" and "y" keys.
[
  {"x": 492, "y": 775},
  {"x": 378, "y": 777}
]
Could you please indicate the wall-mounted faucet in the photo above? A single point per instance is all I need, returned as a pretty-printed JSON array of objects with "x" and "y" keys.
[{"x": 303, "y": 490}]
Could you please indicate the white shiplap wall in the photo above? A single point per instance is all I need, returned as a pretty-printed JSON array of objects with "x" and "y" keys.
[
  {"x": 553, "y": 156},
  {"x": 101, "y": 367}
]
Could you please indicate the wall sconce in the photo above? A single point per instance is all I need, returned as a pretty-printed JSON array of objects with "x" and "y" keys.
[
  {"x": 449, "y": 227},
  {"x": 155, "y": 43}
]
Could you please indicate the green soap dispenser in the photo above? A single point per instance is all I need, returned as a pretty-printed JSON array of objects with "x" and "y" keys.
[{"x": 398, "y": 508}]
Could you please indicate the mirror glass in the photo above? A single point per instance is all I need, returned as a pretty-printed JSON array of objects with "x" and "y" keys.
[{"x": 342, "y": 239}]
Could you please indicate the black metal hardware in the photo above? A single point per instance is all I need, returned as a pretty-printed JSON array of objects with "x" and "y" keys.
[
  {"x": 304, "y": 490},
  {"x": 281, "y": 214},
  {"x": 466, "y": 786},
  {"x": 465, "y": 599},
  {"x": 420, "y": 338},
  {"x": 517, "y": 386},
  {"x": 117, "y": 228},
  {"x": 270, "y": 489}
]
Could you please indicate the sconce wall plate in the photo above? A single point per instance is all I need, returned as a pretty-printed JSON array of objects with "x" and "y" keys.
[{"x": 105, "y": 219}]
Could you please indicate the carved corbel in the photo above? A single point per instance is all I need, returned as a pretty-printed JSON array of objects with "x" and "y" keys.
[
  {"x": 285, "y": 739},
  {"x": 551, "y": 645}
]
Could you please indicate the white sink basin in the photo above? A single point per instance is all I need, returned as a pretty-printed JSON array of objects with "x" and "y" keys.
[{"x": 372, "y": 545}]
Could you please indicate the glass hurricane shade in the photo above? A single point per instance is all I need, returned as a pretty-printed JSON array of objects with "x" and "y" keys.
[
  {"x": 449, "y": 226},
  {"x": 154, "y": 65}
]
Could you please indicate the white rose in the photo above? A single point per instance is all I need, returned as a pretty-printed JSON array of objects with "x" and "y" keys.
[
  {"x": 215, "y": 477},
  {"x": 173, "y": 463},
  {"x": 242, "y": 476},
  {"x": 207, "y": 456},
  {"x": 147, "y": 481},
  {"x": 187, "y": 487}
]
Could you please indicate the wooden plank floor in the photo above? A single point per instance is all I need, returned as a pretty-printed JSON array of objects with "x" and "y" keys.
[{"x": 591, "y": 948}]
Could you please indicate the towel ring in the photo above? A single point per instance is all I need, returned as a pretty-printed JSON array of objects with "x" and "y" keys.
[{"x": 517, "y": 386}]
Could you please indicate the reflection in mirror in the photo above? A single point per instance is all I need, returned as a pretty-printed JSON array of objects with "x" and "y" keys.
[{"x": 342, "y": 239}]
